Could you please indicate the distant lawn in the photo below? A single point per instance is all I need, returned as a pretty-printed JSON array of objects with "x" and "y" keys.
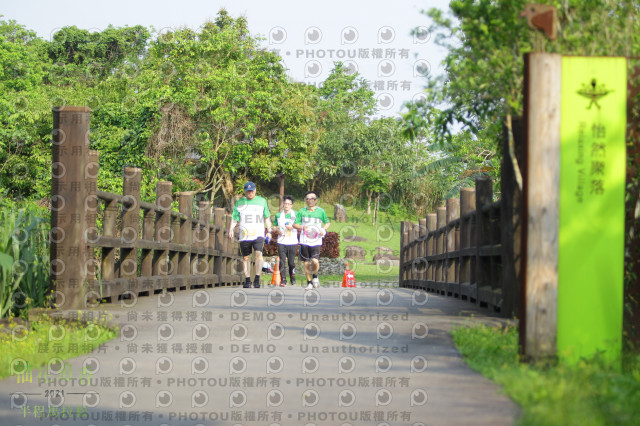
[{"x": 386, "y": 233}]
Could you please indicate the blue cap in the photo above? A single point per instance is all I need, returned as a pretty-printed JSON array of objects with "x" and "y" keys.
[{"x": 249, "y": 186}]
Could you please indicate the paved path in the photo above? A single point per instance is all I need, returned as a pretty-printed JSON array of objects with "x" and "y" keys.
[{"x": 271, "y": 356}]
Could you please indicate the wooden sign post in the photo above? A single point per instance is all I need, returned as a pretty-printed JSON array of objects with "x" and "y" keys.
[{"x": 573, "y": 207}]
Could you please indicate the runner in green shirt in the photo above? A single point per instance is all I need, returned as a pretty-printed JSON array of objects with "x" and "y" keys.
[
  {"x": 252, "y": 212},
  {"x": 313, "y": 223}
]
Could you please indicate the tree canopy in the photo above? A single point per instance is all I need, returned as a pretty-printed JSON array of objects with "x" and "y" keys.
[{"x": 206, "y": 109}]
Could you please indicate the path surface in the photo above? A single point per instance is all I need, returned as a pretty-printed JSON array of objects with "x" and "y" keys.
[{"x": 271, "y": 356}]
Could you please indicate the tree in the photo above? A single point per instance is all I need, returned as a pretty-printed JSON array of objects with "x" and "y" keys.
[
  {"x": 21, "y": 76},
  {"x": 293, "y": 143},
  {"x": 486, "y": 43},
  {"x": 225, "y": 107},
  {"x": 345, "y": 107},
  {"x": 84, "y": 54}
]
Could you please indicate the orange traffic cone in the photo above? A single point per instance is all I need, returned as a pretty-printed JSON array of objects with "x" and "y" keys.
[
  {"x": 349, "y": 278},
  {"x": 276, "y": 279}
]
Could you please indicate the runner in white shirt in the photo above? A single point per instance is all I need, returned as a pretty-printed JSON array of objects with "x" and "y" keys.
[{"x": 287, "y": 240}]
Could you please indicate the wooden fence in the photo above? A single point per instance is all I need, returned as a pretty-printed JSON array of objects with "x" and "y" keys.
[
  {"x": 470, "y": 248},
  {"x": 106, "y": 246}
]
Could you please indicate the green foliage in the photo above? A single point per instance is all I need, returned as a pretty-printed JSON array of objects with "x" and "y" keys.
[{"x": 589, "y": 393}]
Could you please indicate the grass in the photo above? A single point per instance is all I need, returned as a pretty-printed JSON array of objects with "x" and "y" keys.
[
  {"x": 25, "y": 346},
  {"x": 592, "y": 392}
]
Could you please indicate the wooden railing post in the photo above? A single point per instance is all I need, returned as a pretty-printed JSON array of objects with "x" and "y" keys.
[
  {"x": 204, "y": 216},
  {"x": 91, "y": 183},
  {"x": 484, "y": 195},
  {"x": 219, "y": 261},
  {"x": 412, "y": 253},
  {"x": 130, "y": 227},
  {"x": 174, "y": 255},
  {"x": 185, "y": 259},
  {"x": 230, "y": 264},
  {"x": 108, "y": 267},
  {"x": 431, "y": 239},
  {"x": 422, "y": 253},
  {"x": 146, "y": 255},
  {"x": 206, "y": 209},
  {"x": 441, "y": 222},
  {"x": 496, "y": 257},
  {"x": 404, "y": 255},
  {"x": 162, "y": 233},
  {"x": 453, "y": 213},
  {"x": 511, "y": 196},
  {"x": 467, "y": 259},
  {"x": 235, "y": 268},
  {"x": 68, "y": 214}
]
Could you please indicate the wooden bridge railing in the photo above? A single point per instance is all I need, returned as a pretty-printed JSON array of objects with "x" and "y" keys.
[
  {"x": 470, "y": 248},
  {"x": 107, "y": 246},
  {"x": 457, "y": 252}
]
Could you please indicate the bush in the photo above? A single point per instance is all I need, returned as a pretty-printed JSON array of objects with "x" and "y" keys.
[
  {"x": 271, "y": 249},
  {"x": 330, "y": 246}
]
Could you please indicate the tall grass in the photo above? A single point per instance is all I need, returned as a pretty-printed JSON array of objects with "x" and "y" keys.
[{"x": 24, "y": 257}]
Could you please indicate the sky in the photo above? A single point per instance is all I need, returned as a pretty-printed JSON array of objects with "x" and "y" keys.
[{"x": 371, "y": 37}]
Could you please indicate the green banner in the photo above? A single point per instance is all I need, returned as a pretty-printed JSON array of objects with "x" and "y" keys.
[{"x": 592, "y": 188}]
